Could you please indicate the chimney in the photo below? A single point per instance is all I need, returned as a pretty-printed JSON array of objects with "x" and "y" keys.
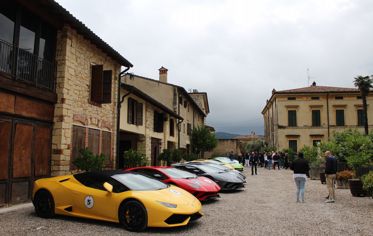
[{"x": 163, "y": 74}]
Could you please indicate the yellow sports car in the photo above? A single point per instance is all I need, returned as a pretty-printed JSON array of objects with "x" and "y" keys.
[{"x": 131, "y": 199}]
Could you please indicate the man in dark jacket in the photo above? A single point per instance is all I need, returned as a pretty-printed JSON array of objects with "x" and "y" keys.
[
  {"x": 330, "y": 174},
  {"x": 301, "y": 168},
  {"x": 254, "y": 159}
]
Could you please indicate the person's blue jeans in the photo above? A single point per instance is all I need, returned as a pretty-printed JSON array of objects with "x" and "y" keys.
[
  {"x": 269, "y": 164},
  {"x": 300, "y": 183}
]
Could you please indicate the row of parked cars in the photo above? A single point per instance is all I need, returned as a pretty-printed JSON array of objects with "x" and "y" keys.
[{"x": 148, "y": 196}]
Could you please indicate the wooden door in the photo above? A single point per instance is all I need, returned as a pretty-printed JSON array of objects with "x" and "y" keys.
[{"x": 155, "y": 150}]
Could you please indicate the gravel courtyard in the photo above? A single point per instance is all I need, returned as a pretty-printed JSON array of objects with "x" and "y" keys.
[{"x": 266, "y": 207}]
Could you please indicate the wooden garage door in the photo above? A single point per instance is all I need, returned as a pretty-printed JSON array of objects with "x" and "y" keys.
[
  {"x": 42, "y": 151},
  {"x": 5, "y": 134},
  {"x": 22, "y": 151}
]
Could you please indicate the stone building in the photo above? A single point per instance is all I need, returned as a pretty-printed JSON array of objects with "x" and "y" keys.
[
  {"x": 146, "y": 125},
  {"x": 305, "y": 116},
  {"x": 175, "y": 98},
  {"x": 58, "y": 93}
]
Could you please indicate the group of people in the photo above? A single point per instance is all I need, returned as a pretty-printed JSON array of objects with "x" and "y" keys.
[
  {"x": 268, "y": 160},
  {"x": 301, "y": 169}
]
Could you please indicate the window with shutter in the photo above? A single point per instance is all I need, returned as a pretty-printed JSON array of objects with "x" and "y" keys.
[
  {"x": 340, "y": 117},
  {"x": 360, "y": 117},
  {"x": 293, "y": 145},
  {"x": 316, "y": 118},
  {"x": 139, "y": 113},
  {"x": 131, "y": 111},
  {"x": 107, "y": 83},
  {"x": 189, "y": 129},
  {"x": 94, "y": 141},
  {"x": 292, "y": 118},
  {"x": 77, "y": 143},
  {"x": 158, "y": 122},
  {"x": 172, "y": 128},
  {"x": 106, "y": 146},
  {"x": 96, "y": 83}
]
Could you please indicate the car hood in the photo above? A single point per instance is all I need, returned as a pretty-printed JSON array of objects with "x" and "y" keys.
[
  {"x": 172, "y": 194},
  {"x": 227, "y": 177},
  {"x": 199, "y": 184}
]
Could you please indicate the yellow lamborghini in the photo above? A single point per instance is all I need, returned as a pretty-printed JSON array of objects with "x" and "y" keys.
[{"x": 131, "y": 199}]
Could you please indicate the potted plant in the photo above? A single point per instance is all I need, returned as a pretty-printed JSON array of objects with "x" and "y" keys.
[
  {"x": 87, "y": 161},
  {"x": 134, "y": 159},
  {"x": 343, "y": 177},
  {"x": 171, "y": 156},
  {"x": 312, "y": 155},
  {"x": 359, "y": 149},
  {"x": 368, "y": 183}
]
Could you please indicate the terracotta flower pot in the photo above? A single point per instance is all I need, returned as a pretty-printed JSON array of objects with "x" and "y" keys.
[{"x": 342, "y": 184}]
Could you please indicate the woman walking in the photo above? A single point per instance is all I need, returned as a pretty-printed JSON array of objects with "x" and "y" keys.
[{"x": 300, "y": 167}]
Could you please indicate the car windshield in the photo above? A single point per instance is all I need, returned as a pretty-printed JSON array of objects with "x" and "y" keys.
[
  {"x": 139, "y": 182},
  {"x": 224, "y": 159},
  {"x": 178, "y": 174},
  {"x": 220, "y": 167},
  {"x": 208, "y": 168}
]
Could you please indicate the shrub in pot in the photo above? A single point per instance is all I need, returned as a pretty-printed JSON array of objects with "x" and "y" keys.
[
  {"x": 87, "y": 161},
  {"x": 343, "y": 177},
  {"x": 131, "y": 158},
  {"x": 368, "y": 183}
]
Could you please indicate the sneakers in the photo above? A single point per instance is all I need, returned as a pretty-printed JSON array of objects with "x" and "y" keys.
[{"x": 329, "y": 201}]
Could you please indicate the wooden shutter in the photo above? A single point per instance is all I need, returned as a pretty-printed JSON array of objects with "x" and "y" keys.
[
  {"x": 42, "y": 150},
  {"x": 189, "y": 129},
  {"x": 292, "y": 118},
  {"x": 172, "y": 128},
  {"x": 139, "y": 114},
  {"x": 106, "y": 146},
  {"x": 340, "y": 117},
  {"x": 94, "y": 141},
  {"x": 130, "y": 111},
  {"x": 97, "y": 84},
  {"x": 77, "y": 143},
  {"x": 107, "y": 82},
  {"x": 5, "y": 134},
  {"x": 316, "y": 119}
]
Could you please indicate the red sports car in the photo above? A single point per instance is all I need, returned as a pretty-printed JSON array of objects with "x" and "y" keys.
[{"x": 201, "y": 187}]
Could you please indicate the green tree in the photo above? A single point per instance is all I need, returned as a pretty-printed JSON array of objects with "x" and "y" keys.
[
  {"x": 364, "y": 83},
  {"x": 202, "y": 140},
  {"x": 255, "y": 146}
]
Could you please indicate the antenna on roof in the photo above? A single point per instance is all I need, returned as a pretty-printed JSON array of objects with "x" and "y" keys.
[{"x": 308, "y": 77}]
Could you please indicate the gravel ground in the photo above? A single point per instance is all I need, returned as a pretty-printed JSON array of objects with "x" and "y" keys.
[{"x": 266, "y": 207}]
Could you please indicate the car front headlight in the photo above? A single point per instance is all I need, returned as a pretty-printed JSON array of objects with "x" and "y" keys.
[{"x": 167, "y": 204}]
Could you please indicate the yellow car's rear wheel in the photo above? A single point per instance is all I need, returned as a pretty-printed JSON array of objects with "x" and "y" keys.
[
  {"x": 133, "y": 215},
  {"x": 44, "y": 204}
]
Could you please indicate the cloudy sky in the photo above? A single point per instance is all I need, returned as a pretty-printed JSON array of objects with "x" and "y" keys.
[{"x": 237, "y": 50}]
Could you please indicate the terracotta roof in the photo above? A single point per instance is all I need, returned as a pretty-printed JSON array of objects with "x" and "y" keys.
[{"x": 318, "y": 89}]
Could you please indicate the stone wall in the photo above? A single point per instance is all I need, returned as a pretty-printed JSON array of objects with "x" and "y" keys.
[{"x": 75, "y": 55}]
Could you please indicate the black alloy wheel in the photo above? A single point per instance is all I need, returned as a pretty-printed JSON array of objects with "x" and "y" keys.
[
  {"x": 44, "y": 204},
  {"x": 133, "y": 216}
]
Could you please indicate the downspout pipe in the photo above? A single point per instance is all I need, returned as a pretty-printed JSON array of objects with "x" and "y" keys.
[
  {"x": 119, "y": 104},
  {"x": 327, "y": 115}
]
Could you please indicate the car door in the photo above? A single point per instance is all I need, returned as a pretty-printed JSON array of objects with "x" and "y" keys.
[{"x": 93, "y": 201}]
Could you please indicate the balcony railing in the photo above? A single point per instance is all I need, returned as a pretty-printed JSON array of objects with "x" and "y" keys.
[{"x": 24, "y": 66}]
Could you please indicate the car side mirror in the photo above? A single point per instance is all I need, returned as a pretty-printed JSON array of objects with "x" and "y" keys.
[
  {"x": 158, "y": 176},
  {"x": 108, "y": 187}
]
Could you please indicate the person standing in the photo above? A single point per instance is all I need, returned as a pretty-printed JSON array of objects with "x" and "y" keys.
[
  {"x": 276, "y": 159},
  {"x": 247, "y": 160},
  {"x": 269, "y": 156},
  {"x": 254, "y": 163},
  {"x": 330, "y": 174},
  {"x": 300, "y": 168}
]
